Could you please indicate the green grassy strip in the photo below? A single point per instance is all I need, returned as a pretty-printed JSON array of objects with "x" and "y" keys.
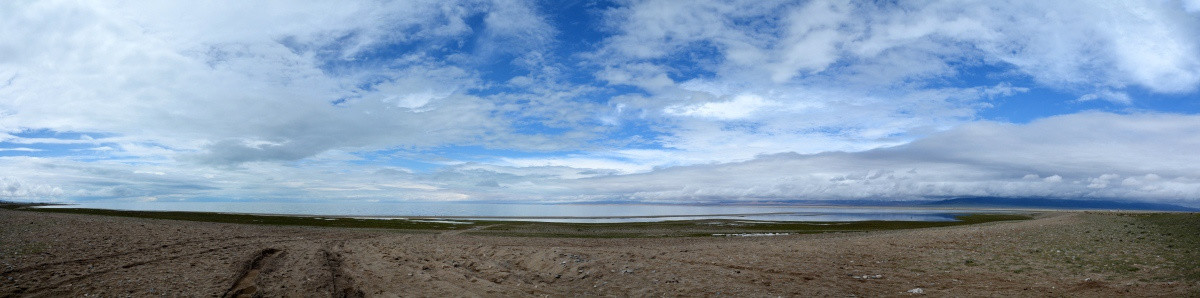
[
  {"x": 688, "y": 228},
  {"x": 1179, "y": 237},
  {"x": 277, "y": 220},
  {"x": 685, "y": 228}
]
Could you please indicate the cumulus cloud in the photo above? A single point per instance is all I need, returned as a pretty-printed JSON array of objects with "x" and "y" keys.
[
  {"x": 1115, "y": 97},
  {"x": 1079, "y": 156},
  {"x": 229, "y": 83},
  {"x": 13, "y": 188},
  {"x": 1089, "y": 155},
  {"x": 235, "y": 82},
  {"x": 666, "y": 100},
  {"x": 1151, "y": 44},
  {"x": 21, "y": 149},
  {"x": 1192, "y": 6},
  {"x": 66, "y": 179},
  {"x": 856, "y": 76},
  {"x": 739, "y": 107}
]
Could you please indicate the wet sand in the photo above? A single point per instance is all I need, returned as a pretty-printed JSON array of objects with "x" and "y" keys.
[{"x": 1056, "y": 254}]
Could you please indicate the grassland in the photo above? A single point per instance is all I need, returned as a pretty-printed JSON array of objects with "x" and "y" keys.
[{"x": 677, "y": 228}]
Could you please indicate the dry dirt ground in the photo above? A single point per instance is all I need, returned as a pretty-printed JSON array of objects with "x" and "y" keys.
[{"x": 1059, "y": 254}]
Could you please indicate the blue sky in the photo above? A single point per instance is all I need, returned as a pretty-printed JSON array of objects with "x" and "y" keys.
[{"x": 568, "y": 101}]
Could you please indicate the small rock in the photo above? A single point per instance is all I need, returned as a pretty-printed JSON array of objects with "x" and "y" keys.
[{"x": 917, "y": 291}]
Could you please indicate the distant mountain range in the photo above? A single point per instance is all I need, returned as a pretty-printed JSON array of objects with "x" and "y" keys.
[
  {"x": 985, "y": 202},
  {"x": 1047, "y": 203},
  {"x": 968, "y": 202}
]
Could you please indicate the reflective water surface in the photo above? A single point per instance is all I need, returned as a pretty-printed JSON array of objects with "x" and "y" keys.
[{"x": 546, "y": 212}]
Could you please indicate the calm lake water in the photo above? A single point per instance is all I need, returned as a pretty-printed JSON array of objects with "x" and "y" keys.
[{"x": 546, "y": 212}]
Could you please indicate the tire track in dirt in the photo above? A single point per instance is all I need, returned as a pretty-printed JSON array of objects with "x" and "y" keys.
[
  {"x": 60, "y": 283},
  {"x": 341, "y": 283},
  {"x": 43, "y": 266},
  {"x": 460, "y": 232},
  {"x": 805, "y": 276},
  {"x": 246, "y": 284}
]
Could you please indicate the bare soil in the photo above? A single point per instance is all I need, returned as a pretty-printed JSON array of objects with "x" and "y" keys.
[{"x": 1055, "y": 254}]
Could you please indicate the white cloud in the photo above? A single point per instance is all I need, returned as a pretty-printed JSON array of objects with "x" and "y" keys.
[
  {"x": 644, "y": 75},
  {"x": 851, "y": 76},
  {"x": 717, "y": 124},
  {"x": 737, "y": 99},
  {"x": 1087, "y": 155},
  {"x": 237, "y": 82},
  {"x": 583, "y": 163},
  {"x": 1192, "y": 6},
  {"x": 64, "y": 178},
  {"x": 1070, "y": 46},
  {"x": 1080, "y": 156},
  {"x": 812, "y": 40},
  {"x": 738, "y": 107},
  {"x": 837, "y": 89},
  {"x": 210, "y": 81},
  {"x": 1115, "y": 97},
  {"x": 1102, "y": 181},
  {"x": 13, "y": 188}
]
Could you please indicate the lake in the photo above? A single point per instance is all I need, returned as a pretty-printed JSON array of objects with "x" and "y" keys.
[{"x": 584, "y": 213}]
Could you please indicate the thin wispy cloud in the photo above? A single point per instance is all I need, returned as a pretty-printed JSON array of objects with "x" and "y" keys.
[{"x": 636, "y": 101}]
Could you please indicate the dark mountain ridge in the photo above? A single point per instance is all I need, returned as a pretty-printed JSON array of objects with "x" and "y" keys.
[{"x": 1048, "y": 203}]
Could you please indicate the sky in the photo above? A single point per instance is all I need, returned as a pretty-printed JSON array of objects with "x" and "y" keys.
[{"x": 597, "y": 101}]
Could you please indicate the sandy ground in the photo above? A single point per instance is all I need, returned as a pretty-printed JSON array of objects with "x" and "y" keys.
[{"x": 1063, "y": 254}]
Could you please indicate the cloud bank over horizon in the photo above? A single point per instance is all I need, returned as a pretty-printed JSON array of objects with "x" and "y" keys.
[{"x": 638, "y": 101}]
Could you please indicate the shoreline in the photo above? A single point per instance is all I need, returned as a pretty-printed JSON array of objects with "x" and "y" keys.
[
  {"x": 799, "y": 209},
  {"x": 517, "y": 227}
]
